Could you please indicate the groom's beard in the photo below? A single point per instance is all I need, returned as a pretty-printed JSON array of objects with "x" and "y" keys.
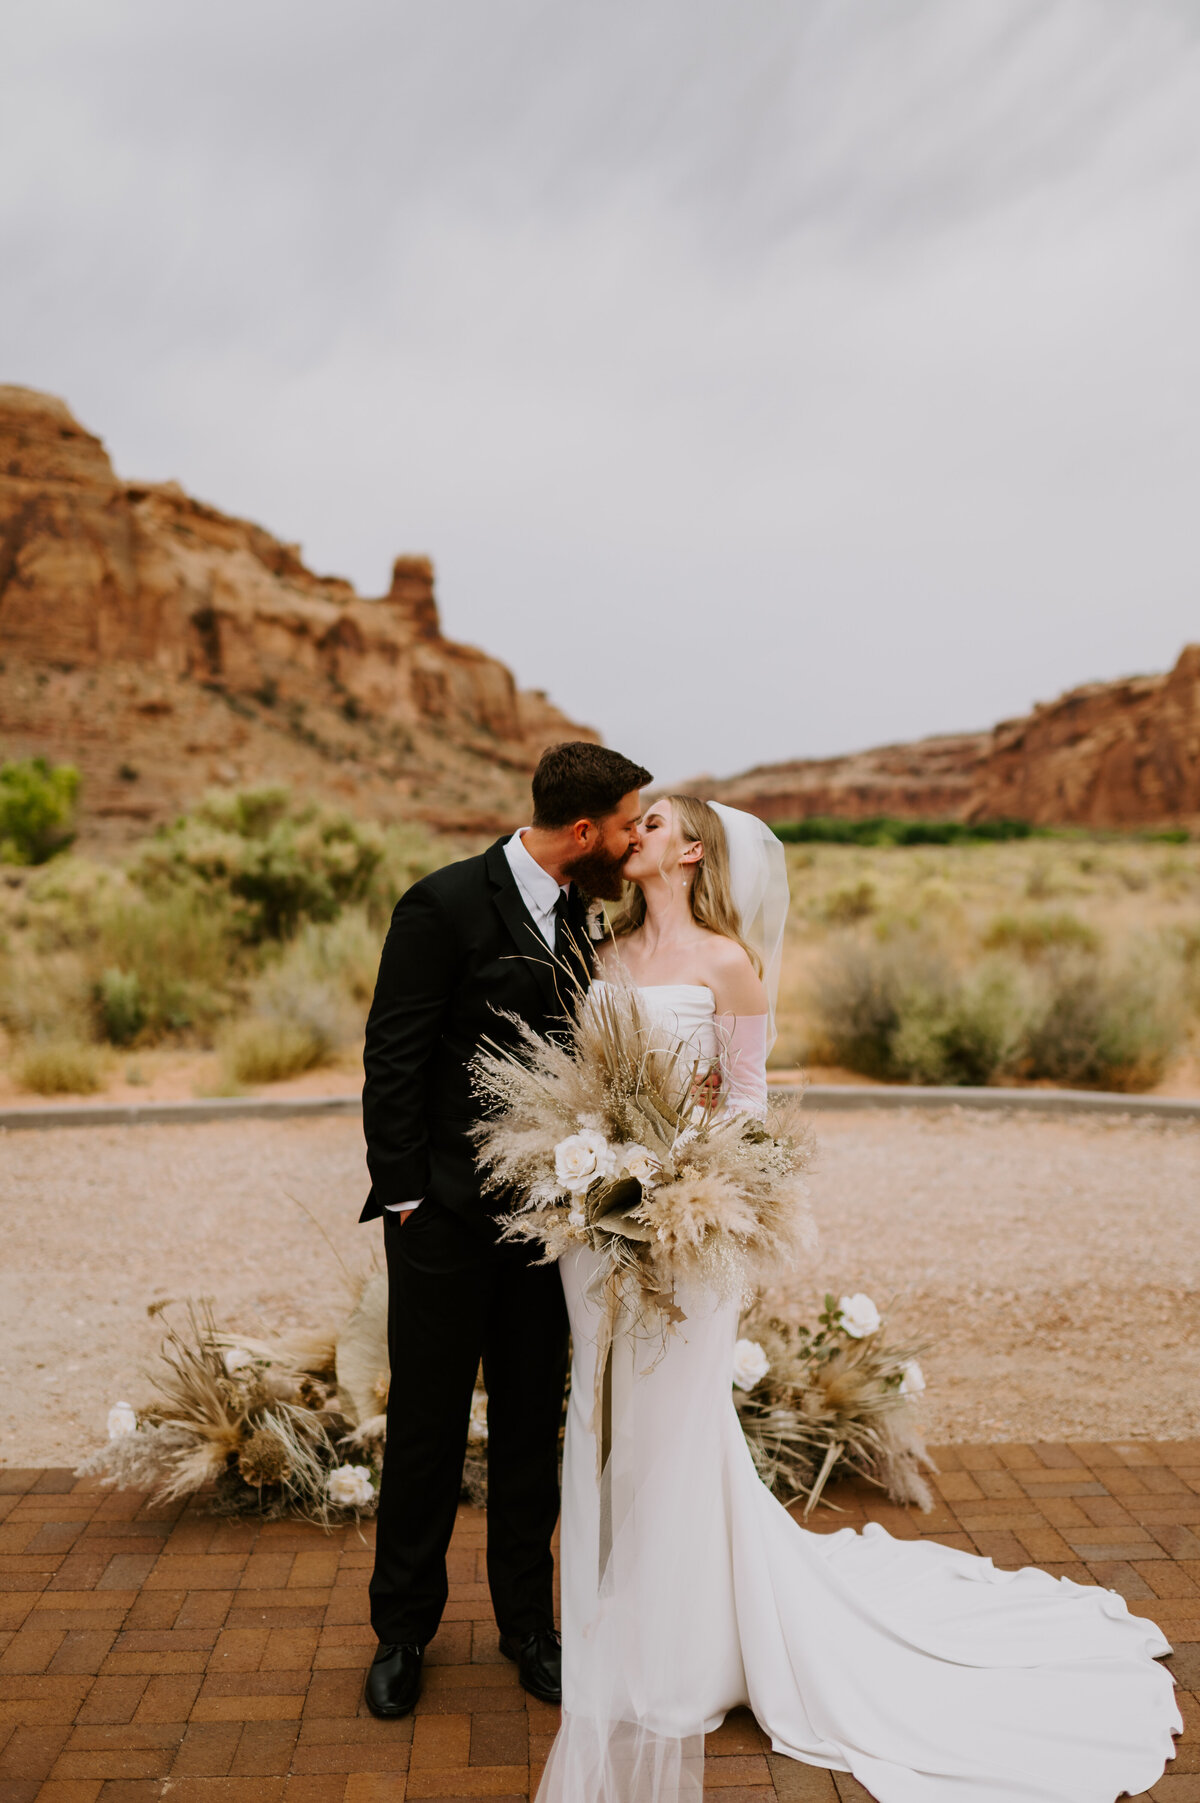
[{"x": 599, "y": 874}]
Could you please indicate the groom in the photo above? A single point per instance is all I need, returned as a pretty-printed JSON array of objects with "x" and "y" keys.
[{"x": 497, "y": 935}]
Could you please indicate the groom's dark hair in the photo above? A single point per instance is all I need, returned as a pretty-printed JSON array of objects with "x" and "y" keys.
[{"x": 581, "y": 781}]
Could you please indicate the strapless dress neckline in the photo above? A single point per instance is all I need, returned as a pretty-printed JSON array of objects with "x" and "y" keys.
[
  {"x": 603, "y": 982},
  {"x": 687, "y": 1011}
]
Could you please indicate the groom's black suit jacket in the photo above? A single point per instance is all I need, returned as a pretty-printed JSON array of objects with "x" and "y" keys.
[{"x": 461, "y": 951}]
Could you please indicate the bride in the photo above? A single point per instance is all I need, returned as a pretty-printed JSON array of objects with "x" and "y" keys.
[{"x": 688, "y": 1590}]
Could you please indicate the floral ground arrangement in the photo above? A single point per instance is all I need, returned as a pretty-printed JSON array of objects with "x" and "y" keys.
[{"x": 298, "y": 1427}]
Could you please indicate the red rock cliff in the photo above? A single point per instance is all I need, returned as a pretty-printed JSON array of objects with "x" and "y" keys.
[
  {"x": 125, "y": 607},
  {"x": 1111, "y": 754}
]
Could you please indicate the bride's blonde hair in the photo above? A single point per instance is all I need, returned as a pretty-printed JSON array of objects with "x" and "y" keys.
[{"x": 711, "y": 892}]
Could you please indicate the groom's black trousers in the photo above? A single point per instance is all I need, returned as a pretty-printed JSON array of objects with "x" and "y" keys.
[{"x": 456, "y": 1295}]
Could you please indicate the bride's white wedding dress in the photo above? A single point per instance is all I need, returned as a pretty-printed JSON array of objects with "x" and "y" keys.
[{"x": 687, "y": 1589}]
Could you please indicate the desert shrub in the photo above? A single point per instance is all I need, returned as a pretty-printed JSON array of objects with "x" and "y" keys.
[
  {"x": 57, "y": 1067},
  {"x": 1186, "y": 945},
  {"x": 304, "y": 1009},
  {"x": 37, "y": 808},
  {"x": 938, "y": 895},
  {"x": 60, "y": 902},
  {"x": 317, "y": 1007},
  {"x": 343, "y": 953},
  {"x": 120, "y": 1005},
  {"x": 1114, "y": 1026},
  {"x": 1177, "y": 875},
  {"x": 161, "y": 964},
  {"x": 885, "y": 829},
  {"x": 276, "y": 865},
  {"x": 850, "y": 903},
  {"x": 98, "y": 955},
  {"x": 1042, "y": 880},
  {"x": 409, "y": 853},
  {"x": 44, "y": 997},
  {"x": 265, "y": 1049},
  {"x": 1033, "y": 935},
  {"x": 898, "y": 1009},
  {"x": 971, "y": 1031},
  {"x": 858, "y": 999},
  {"x": 865, "y": 990}
]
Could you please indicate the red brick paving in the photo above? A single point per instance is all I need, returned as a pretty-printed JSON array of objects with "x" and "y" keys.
[{"x": 149, "y": 1653}]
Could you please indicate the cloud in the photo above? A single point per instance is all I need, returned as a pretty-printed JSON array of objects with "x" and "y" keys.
[{"x": 764, "y": 381}]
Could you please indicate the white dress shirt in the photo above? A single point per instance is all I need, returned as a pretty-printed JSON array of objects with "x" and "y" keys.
[{"x": 540, "y": 892}]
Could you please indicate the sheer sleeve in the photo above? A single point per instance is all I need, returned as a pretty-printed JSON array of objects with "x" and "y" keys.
[{"x": 744, "y": 1064}]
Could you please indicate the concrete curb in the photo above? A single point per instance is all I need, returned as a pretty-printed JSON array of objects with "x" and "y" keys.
[
  {"x": 817, "y": 1095},
  {"x": 173, "y": 1114},
  {"x": 1025, "y": 1101}
]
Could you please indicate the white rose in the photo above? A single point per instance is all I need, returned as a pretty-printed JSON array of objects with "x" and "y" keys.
[
  {"x": 478, "y": 1427},
  {"x": 580, "y": 1159},
  {"x": 750, "y": 1364},
  {"x": 859, "y": 1316},
  {"x": 237, "y": 1360},
  {"x": 913, "y": 1381},
  {"x": 121, "y": 1420},
  {"x": 350, "y": 1487},
  {"x": 637, "y": 1162}
]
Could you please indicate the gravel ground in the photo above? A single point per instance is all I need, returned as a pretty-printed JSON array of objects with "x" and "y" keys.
[{"x": 1052, "y": 1266}]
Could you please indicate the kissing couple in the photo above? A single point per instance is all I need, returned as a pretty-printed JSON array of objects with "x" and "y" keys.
[{"x": 687, "y": 1589}]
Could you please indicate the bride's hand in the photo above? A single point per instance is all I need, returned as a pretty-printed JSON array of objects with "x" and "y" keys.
[{"x": 706, "y": 1091}]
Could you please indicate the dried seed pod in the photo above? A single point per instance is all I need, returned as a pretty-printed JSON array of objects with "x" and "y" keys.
[
  {"x": 263, "y": 1458},
  {"x": 311, "y": 1392}
]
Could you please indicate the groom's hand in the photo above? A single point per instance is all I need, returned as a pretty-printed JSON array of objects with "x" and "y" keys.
[{"x": 402, "y": 1210}]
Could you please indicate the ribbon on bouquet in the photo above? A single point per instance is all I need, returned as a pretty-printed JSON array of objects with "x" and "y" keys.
[
  {"x": 605, "y": 1451},
  {"x": 615, "y": 1301},
  {"x": 602, "y": 1411}
]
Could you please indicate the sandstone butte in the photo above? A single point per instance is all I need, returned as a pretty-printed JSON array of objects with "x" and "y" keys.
[
  {"x": 167, "y": 648},
  {"x": 1108, "y": 755}
]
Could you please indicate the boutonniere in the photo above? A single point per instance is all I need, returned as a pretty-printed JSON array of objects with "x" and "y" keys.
[{"x": 597, "y": 924}]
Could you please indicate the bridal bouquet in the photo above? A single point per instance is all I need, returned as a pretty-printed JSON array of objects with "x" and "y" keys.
[{"x": 614, "y": 1139}]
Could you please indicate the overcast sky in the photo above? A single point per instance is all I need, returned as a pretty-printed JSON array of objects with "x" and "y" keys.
[{"x": 765, "y": 379}]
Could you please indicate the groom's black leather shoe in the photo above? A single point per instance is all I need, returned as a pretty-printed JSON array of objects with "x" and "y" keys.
[
  {"x": 394, "y": 1680},
  {"x": 539, "y": 1662}
]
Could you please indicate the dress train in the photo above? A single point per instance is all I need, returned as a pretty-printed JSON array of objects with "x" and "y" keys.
[{"x": 687, "y": 1589}]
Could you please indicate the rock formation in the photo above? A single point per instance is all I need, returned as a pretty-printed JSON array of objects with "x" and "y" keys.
[
  {"x": 929, "y": 779},
  {"x": 163, "y": 646},
  {"x": 1109, "y": 755}
]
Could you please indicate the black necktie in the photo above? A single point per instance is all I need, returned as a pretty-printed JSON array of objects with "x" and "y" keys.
[{"x": 562, "y": 941}]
